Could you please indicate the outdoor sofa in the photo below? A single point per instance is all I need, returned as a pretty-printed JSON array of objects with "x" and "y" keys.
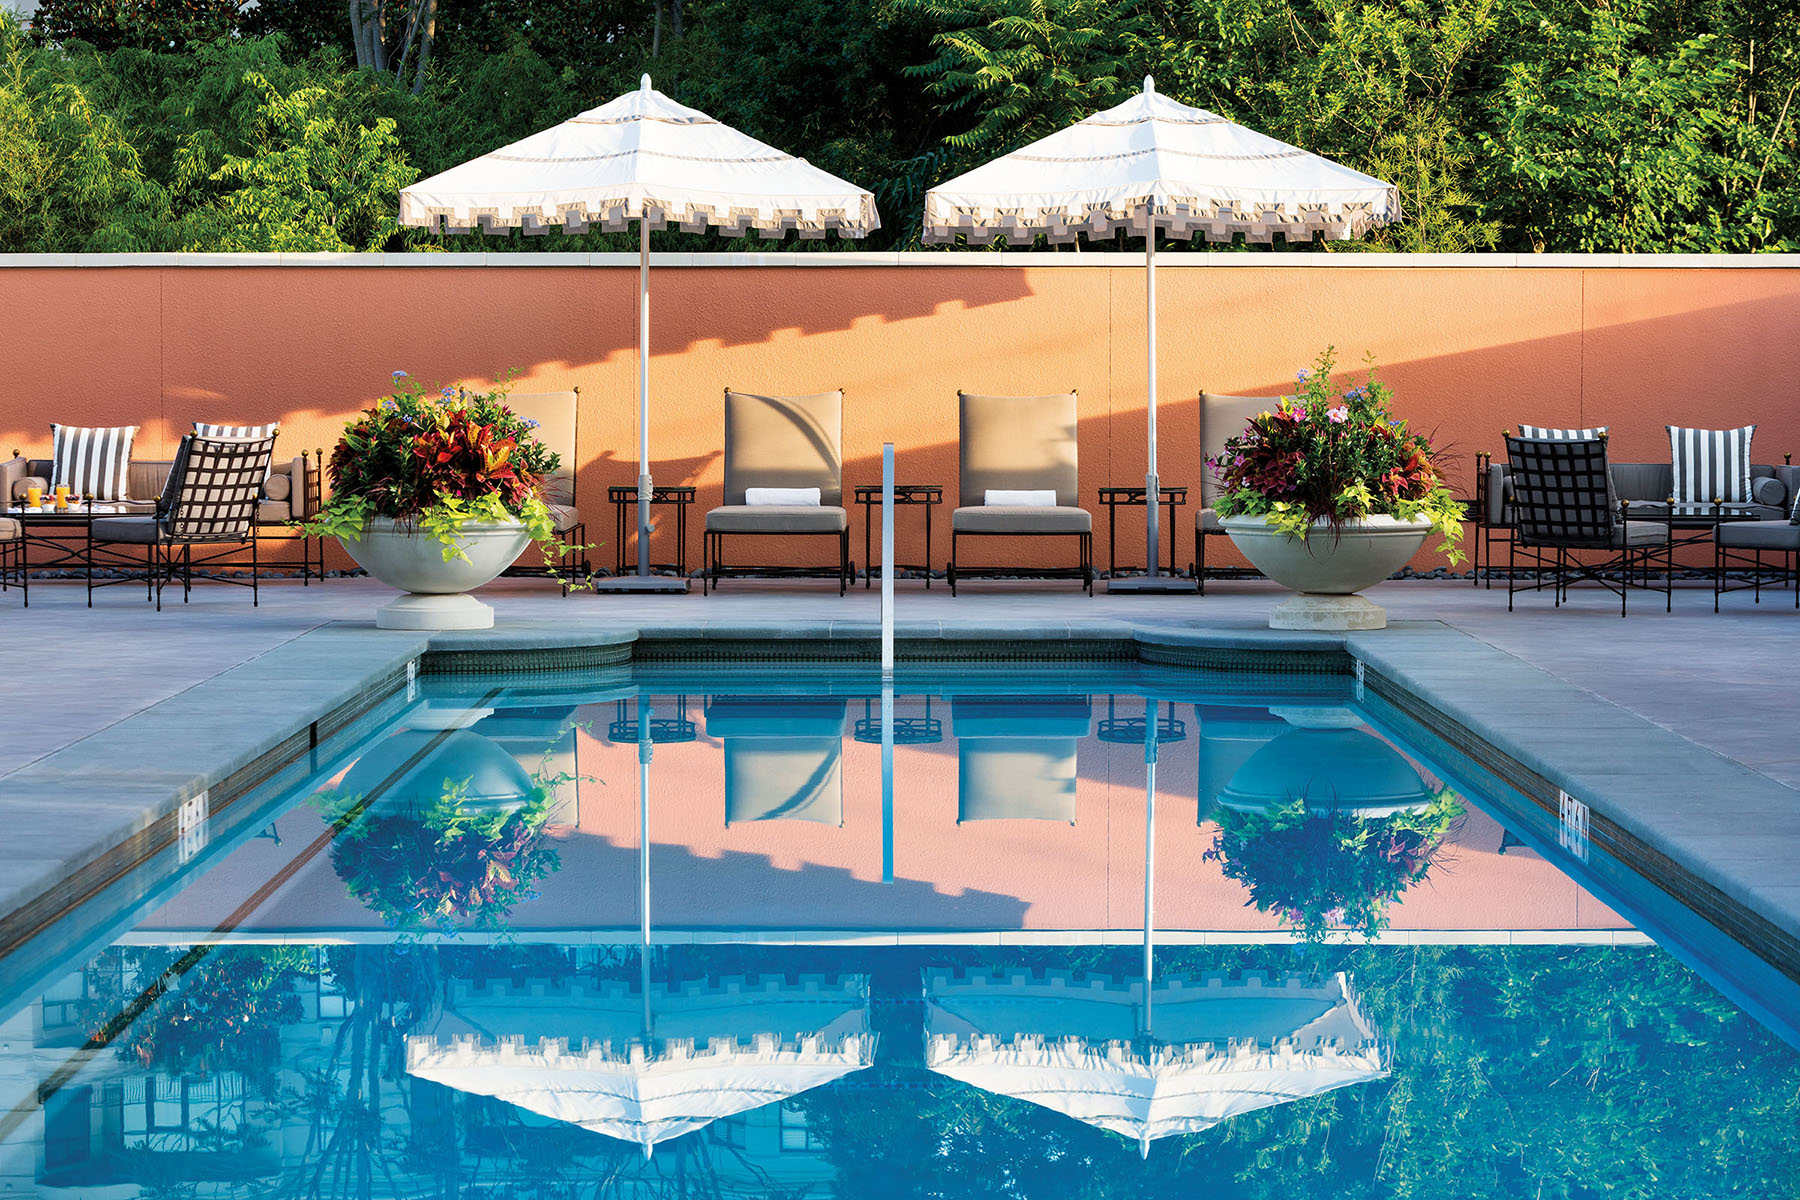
[{"x": 291, "y": 492}]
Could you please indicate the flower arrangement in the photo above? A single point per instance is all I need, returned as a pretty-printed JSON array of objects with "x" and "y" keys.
[
  {"x": 1329, "y": 457},
  {"x": 1323, "y": 868},
  {"x": 445, "y": 865},
  {"x": 440, "y": 460}
]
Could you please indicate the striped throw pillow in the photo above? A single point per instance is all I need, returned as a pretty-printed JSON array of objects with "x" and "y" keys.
[
  {"x": 202, "y": 429},
  {"x": 91, "y": 461},
  {"x": 1544, "y": 433},
  {"x": 1711, "y": 464}
]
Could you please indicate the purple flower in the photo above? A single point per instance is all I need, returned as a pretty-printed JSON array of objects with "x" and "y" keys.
[{"x": 399, "y": 375}]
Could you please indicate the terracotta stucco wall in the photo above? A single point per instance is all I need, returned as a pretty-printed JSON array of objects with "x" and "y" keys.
[{"x": 1470, "y": 346}]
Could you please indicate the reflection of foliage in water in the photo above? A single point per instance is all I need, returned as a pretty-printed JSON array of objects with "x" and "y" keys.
[
  {"x": 1319, "y": 867},
  {"x": 197, "y": 1012},
  {"x": 1517, "y": 1072}
]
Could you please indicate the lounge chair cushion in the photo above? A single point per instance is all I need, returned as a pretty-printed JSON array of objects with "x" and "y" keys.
[
  {"x": 554, "y": 413},
  {"x": 10, "y": 529},
  {"x": 273, "y": 512},
  {"x": 1760, "y": 535},
  {"x": 768, "y": 497},
  {"x": 1017, "y": 443},
  {"x": 987, "y": 518},
  {"x": 777, "y": 518},
  {"x": 1221, "y": 419},
  {"x": 564, "y": 517},
  {"x": 1206, "y": 520},
  {"x": 141, "y": 530},
  {"x": 784, "y": 442},
  {"x": 1020, "y": 498}
]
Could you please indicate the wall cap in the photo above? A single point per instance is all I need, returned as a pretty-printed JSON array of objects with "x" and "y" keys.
[{"x": 1172, "y": 260}]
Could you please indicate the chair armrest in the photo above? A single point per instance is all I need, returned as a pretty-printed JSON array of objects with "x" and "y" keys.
[{"x": 15, "y": 477}]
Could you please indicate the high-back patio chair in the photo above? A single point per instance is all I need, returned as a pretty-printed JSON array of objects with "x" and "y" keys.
[
  {"x": 773, "y": 445},
  {"x": 783, "y": 757},
  {"x": 210, "y": 500},
  {"x": 558, "y": 421},
  {"x": 1221, "y": 419},
  {"x": 1015, "y": 756},
  {"x": 1569, "y": 524},
  {"x": 13, "y": 572},
  {"x": 1018, "y": 478}
]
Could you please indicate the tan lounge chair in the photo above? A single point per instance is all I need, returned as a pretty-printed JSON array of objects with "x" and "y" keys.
[
  {"x": 1019, "y": 443},
  {"x": 556, "y": 414},
  {"x": 781, "y": 442}
]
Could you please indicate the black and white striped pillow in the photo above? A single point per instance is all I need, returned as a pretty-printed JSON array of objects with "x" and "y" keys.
[
  {"x": 1543, "y": 433},
  {"x": 202, "y": 429},
  {"x": 91, "y": 461},
  {"x": 1711, "y": 464}
]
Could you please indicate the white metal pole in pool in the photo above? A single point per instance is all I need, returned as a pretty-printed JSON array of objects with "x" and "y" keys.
[
  {"x": 1150, "y": 707},
  {"x": 887, "y": 779},
  {"x": 645, "y": 749},
  {"x": 887, "y": 560}
]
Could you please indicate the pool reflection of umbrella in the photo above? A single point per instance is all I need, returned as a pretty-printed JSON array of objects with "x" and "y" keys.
[
  {"x": 1147, "y": 1058},
  {"x": 579, "y": 1052},
  {"x": 658, "y": 1064},
  {"x": 1347, "y": 769},
  {"x": 1079, "y": 1044}
]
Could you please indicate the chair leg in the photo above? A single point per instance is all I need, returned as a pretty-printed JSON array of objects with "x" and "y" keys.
[
  {"x": 1087, "y": 563},
  {"x": 1512, "y": 554},
  {"x": 950, "y": 567},
  {"x": 843, "y": 561},
  {"x": 1200, "y": 561},
  {"x": 255, "y": 597},
  {"x": 153, "y": 556}
]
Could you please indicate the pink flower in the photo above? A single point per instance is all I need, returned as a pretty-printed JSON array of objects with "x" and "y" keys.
[{"x": 1339, "y": 415}]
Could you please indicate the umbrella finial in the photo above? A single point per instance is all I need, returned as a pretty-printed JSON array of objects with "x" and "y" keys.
[
  {"x": 1144, "y": 1146},
  {"x": 649, "y": 1147},
  {"x": 644, "y": 83},
  {"x": 1149, "y": 85}
]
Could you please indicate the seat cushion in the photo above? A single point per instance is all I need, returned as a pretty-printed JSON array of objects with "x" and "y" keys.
[
  {"x": 1007, "y": 518},
  {"x": 1760, "y": 535},
  {"x": 125, "y": 529},
  {"x": 566, "y": 517},
  {"x": 777, "y": 518},
  {"x": 10, "y": 529},
  {"x": 273, "y": 512}
]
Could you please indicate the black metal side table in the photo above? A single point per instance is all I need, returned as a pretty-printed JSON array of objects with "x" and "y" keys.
[
  {"x": 922, "y": 495},
  {"x": 623, "y": 498},
  {"x": 1133, "y": 497}
]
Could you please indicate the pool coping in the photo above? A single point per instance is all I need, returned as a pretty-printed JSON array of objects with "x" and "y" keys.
[{"x": 79, "y": 826}]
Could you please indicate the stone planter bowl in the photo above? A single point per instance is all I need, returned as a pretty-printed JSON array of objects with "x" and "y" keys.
[
  {"x": 1328, "y": 568},
  {"x": 411, "y": 560}
]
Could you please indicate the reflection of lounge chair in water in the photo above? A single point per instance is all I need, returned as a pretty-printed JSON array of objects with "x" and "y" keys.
[
  {"x": 783, "y": 757},
  {"x": 1015, "y": 756},
  {"x": 1229, "y": 735}
]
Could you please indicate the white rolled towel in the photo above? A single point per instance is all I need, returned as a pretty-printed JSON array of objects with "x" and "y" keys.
[
  {"x": 1020, "y": 499},
  {"x": 793, "y": 497}
]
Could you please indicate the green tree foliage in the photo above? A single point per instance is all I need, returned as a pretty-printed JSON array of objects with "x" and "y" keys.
[{"x": 1552, "y": 125}]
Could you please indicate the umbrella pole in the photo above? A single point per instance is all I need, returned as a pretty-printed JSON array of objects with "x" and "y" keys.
[
  {"x": 1152, "y": 497},
  {"x": 644, "y": 485}
]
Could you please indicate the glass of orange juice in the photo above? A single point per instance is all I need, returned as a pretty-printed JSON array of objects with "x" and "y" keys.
[
  {"x": 34, "y": 496},
  {"x": 62, "y": 496}
]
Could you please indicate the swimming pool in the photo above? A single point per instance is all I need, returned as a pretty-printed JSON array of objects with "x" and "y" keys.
[{"x": 1032, "y": 931}]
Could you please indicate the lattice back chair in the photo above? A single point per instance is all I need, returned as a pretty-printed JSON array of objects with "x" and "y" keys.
[
  {"x": 1563, "y": 502},
  {"x": 210, "y": 500}
]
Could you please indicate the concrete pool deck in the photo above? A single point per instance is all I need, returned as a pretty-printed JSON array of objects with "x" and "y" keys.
[{"x": 1676, "y": 729}]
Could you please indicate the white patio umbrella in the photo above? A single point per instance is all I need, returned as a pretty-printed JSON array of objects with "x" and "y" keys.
[
  {"x": 1154, "y": 165},
  {"x": 579, "y": 1053},
  {"x": 641, "y": 157},
  {"x": 1080, "y": 1044}
]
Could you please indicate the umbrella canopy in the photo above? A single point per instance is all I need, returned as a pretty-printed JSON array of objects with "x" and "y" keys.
[
  {"x": 1193, "y": 170},
  {"x": 1076, "y": 1044},
  {"x": 1154, "y": 165},
  {"x": 641, "y": 157},
  {"x": 578, "y": 1053}
]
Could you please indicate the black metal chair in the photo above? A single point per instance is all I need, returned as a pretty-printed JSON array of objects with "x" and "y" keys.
[
  {"x": 210, "y": 500},
  {"x": 1566, "y": 512},
  {"x": 13, "y": 572}
]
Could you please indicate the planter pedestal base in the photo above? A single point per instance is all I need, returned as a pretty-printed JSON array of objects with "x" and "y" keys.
[
  {"x": 417, "y": 610},
  {"x": 1309, "y": 610}
]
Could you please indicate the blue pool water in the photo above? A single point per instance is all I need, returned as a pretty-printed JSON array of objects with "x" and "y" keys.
[{"x": 1011, "y": 931}]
